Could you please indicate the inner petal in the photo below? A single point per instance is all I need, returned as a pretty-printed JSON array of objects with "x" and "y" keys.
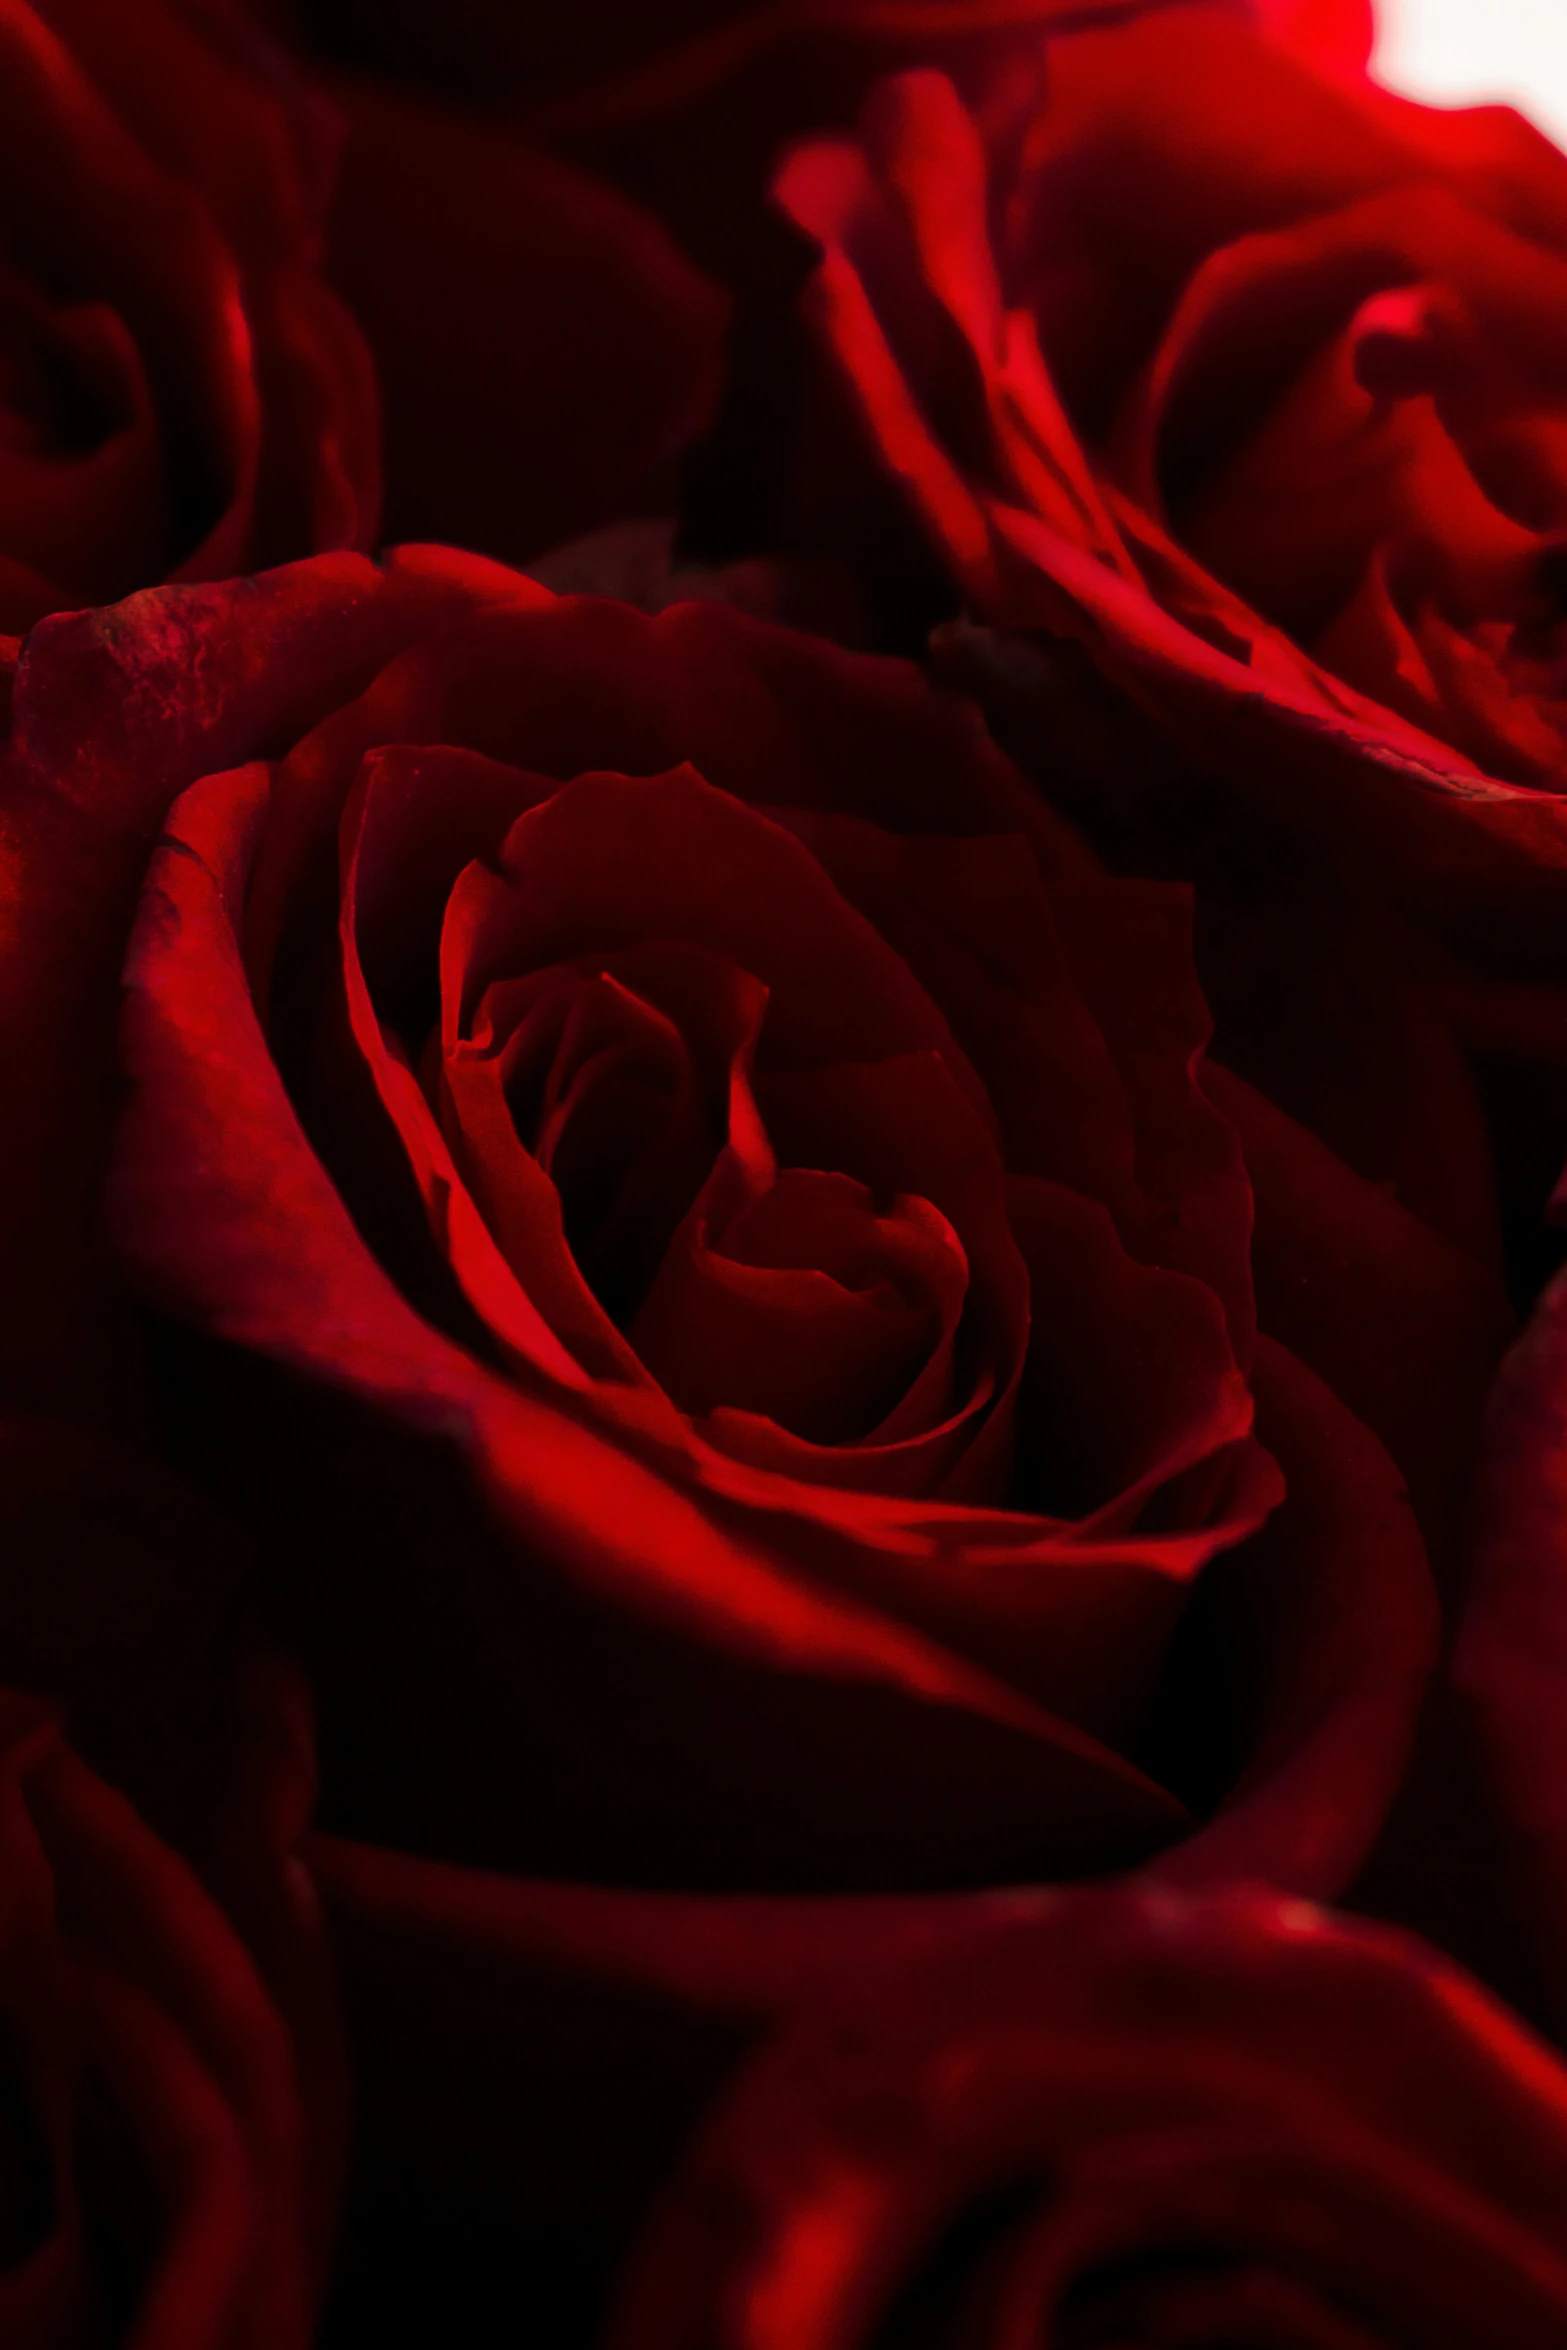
[
  {"x": 603, "y": 1091},
  {"x": 613, "y": 1078},
  {"x": 1357, "y": 455},
  {"x": 806, "y": 1306},
  {"x": 654, "y": 998}
]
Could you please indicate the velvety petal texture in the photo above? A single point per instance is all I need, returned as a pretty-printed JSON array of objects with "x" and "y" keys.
[
  {"x": 681, "y": 1074},
  {"x": 764, "y": 1214},
  {"x": 111, "y": 714},
  {"x": 1185, "y": 341}
]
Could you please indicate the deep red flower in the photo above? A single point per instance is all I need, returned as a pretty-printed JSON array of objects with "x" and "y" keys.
[
  {"x": 681, "y": 1077},
  {"x": 1186, "y": 341}
]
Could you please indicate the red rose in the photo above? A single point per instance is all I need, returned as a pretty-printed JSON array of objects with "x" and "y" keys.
[
  {"x": 772, "y": 1296},
  {"x": 1116, "y": 2116},
  {"x": 155, "y": 2182},
  {"x": 506, "y": 295},
  {"x": 183, "y": 397},
  {"x": 1185, "y": 341}
]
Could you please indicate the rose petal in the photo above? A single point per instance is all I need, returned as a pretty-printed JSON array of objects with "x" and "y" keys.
[{"x": 221, "y": 1229}]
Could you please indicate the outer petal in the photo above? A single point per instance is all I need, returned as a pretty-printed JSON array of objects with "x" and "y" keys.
[
  {"x": 112, "y": 713},
  {"x": 1328, "y": 1623},
  {"x": 1050, "y": 2114},
  {"x": 121, "y": 1973},
  {"x": 514, "y": 2015}
]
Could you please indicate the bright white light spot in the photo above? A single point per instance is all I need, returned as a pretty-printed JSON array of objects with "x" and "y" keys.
[{"x": 1462, "y": 52}]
